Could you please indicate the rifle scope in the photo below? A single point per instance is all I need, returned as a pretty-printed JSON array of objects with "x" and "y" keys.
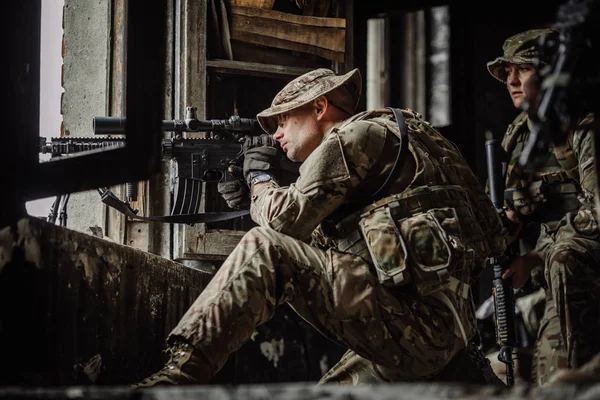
[{"x": 116, "y": 125}]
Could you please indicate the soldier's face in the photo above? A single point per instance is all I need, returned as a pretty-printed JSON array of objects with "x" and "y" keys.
[
  {"x": 299, "y": 132},
  {"x": 520, "y": 81}
]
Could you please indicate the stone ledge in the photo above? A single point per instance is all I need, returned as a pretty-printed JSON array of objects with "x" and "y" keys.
[
  {"x": 76, "y": 309},
  {"x": 303, "y": 391}
]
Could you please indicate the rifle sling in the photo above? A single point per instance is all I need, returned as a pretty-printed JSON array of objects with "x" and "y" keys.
[
  {"x": 402, "y": 147},
  {"x": 194, "y": 218},
  {"x": 111, "y": 200}
]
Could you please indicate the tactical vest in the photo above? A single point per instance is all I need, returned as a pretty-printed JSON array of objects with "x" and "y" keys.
[
  {"x": 556, "y": 184},
  {"x": 444, "y": 216},
  {"x": 437, "y": 233}
]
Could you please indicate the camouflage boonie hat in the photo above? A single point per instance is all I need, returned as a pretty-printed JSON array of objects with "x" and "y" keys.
[
  {"x": 522, "y": 48},
  {"x": 305, "y": 89}
]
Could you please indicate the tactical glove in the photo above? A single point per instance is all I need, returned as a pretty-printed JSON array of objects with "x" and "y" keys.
[
  {"x": 261, "y": 154},
  {"x": 235, "y": 193},
  {"x": 259, "y": 141}
]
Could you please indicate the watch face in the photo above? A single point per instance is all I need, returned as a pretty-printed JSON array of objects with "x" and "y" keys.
[{"x": 262, "y": 178}]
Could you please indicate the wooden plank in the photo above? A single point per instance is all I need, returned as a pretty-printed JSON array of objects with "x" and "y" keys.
[
  {"x": 321, "y": 37},
  {"x": 271, "y": 55},
  {"x": 256, "y": 69},
  {"x": 213, "y": 244},
  {"x": 288, "y": 45},
  {"x": 280, "y": 17},
  {"x": 193, "y": 72},
  {"x": 325, "y": 37},
  {"x": 115, "y": 222}
]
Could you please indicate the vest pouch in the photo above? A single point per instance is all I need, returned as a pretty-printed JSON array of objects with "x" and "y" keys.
[
  {"x": 386, "y": 246},
  {"x": 433, "y": 245}
]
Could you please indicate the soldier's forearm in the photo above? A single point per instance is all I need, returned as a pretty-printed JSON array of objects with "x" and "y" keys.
[{"x": 259, "y": 188}]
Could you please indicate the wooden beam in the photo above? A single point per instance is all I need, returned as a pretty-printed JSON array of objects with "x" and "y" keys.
[
  {"x": 324, "y": 37},
  {"x": 256, "y": 69},
  {"x": 213, "y": 244},
  {"x": 280, "y": 17}
]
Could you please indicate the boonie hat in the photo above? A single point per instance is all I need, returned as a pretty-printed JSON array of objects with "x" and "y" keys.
[
  {"x": 522, "y": 48},
  {"x": 305, "y": 89}
]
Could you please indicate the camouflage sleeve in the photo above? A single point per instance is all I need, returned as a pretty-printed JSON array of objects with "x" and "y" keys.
[
  {"x": 327, "y": 178},
  {"x": 583, "y": 146}
]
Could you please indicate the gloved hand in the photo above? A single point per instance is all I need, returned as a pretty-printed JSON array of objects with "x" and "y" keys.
[
  {"x": 235, "y": 193},
  {"x": 261, "y": 153}
]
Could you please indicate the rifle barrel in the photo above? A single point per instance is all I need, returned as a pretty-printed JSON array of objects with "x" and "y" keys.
[{"x": 108, "y": 125}]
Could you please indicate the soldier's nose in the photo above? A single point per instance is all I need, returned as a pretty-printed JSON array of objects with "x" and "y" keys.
[{"x": 278, "y": 135}]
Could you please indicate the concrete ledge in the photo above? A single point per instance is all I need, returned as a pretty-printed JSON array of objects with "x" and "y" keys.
[
  {"x": 78, "y": 309},
  {"x": 303, "y": 391}
]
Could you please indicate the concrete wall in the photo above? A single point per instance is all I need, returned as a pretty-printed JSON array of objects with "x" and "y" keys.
[{"x": 85, "y": 81}]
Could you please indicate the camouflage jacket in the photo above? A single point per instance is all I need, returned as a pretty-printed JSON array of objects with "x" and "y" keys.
[
  {"x": 559, "y": 163},
  {"x": 571, "y": 162},
  {"x": 354, "y": 160},
  {"x": 431, "y": 230}
]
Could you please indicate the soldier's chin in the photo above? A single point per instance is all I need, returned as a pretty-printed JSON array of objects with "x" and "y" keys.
[
  {"x": 292, "y": 155},
  {"x": 518, "y": 102}
]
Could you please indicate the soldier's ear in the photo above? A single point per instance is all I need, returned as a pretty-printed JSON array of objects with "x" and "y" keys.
[{"x": 320, "y": 105}]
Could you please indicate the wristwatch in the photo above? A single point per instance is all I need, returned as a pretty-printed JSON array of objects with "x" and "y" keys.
[{"x": 259, "y": 177}]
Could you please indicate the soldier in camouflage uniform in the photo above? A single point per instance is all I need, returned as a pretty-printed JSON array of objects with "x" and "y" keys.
[
  {"x": 556, "y": 212},
  {"x": 376, "y": 244}
]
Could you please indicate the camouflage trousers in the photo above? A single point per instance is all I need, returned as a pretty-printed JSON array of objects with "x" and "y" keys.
[
  {"x": 568, "y": 335},
  {"x": 406, "y": 336},
  {"x": 468, "y": 365}
]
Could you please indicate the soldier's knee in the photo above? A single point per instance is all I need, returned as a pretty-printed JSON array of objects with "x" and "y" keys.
[
  {"x": 262, "y": 234},
  {"x": 256, "y": 231}
]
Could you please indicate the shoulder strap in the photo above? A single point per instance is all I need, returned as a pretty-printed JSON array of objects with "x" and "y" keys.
[
  {"x": 509, "y": 139},
  {"x": 402, "y": 148}
]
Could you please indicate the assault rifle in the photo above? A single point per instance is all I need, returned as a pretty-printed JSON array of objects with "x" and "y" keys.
[
  {"x": 216, "y": 158},
  {"x": 502, "y": 290}
]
